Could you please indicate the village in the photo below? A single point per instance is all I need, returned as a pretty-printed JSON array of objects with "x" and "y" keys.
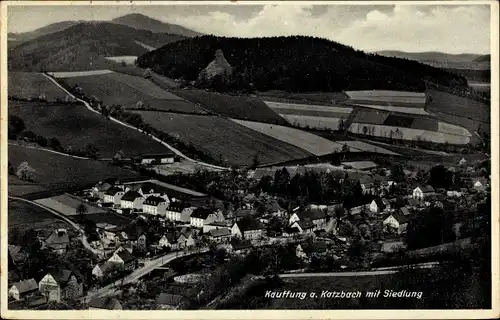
[{"x": 364, "y": 219}]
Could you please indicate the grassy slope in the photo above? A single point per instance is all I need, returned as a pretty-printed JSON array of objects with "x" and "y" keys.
[
  {"x": 222, "y": 138},
  {"x": 21, "y": 214},
  {"x": 27, "y": 85},
  {"x": 83, "y": 47},
  {"x": 76, "y": 126},
  {"x": 55, "y": 171}
]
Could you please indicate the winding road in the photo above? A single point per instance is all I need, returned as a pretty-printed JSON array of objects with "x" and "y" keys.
[
  {"x": 139, "y": 273},
  {"x": 177, "y": 152},
  {"x": 82, "y": 236}
]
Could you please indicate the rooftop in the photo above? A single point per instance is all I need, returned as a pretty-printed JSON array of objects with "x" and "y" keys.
[{"x": 26, "y": 285}]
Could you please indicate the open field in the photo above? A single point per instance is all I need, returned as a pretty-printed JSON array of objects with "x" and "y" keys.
[
  {"x": 304, "y": 140},
  {"x": 319, "y": 123},
  {"x": 303, "y": 97},
  {"x": 57, "y": 172},
  {"x": 72, "y": 74},
  {"x": 407, "y": 133},
  {"x": 24, "y": 215},
  {"x": 183, "y": 166},
  {"x": 447, "y": 103},
  {"x": 363, "y": 146},
  {"x": 76, "y": 126},
  {"x": 387, "y": 95},
  {"x": 129, "y": 60},
  {"x": 67, "y": 204},
  {"x": 127, "y": 91},
  {"x": 247, "y": 107},
  {"x": 420, "y": 111},
  {"x": 223, "y": 139},
  {"x": 109, "y": 218},
  {"x": 31, "y": 85},
  {"x": 299, "y": 108}
]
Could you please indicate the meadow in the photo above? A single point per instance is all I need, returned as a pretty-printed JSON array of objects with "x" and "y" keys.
[
  {"x": 58, "y": 172},
  {"x": 76, "y": 126},
  {"x": 73, "y": 74},
  {"x": 419, "y": 111},
  {"x": 359, "y": 146},
  {"x": 128, "y": 60},
  {"x": 223, "y": 139},
  {"x": 67, "y": 205},
  {"x": 129, "y": 91},
  {"x": 301, "y": 139},
  {"x": 245, "y": 107},
  {"x": 24, "y": 215},
  {"x": 31, "y": 85}
]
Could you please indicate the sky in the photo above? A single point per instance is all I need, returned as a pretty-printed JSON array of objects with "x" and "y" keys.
[{"x": 411, "y": 28}]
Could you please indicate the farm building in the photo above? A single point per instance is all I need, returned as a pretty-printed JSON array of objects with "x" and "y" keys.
[
  {"x": 315, "y": 217},
  {"x": 398, "y": 222},
  {"x": 155, "y": 205},
  {"x": 157, "y": 158},
  {"x": 221, "y": 235},
  {"x": 379, "y": 205},
  {"x": 422, "y": 192},
  {"x": 202, "y": 216},
  {"x": 248, "y": 229},
  {"x": 58, "y": 241},
  {"x": 22, "y": 289}
]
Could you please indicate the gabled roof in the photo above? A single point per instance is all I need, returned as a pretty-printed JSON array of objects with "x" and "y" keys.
[
  {"x": 58, "y": 239},
  {"x": 249, "y": 225},
  {"x": 402, "y": 218},
  {"x": 108, "y": 303},
  {"x": 201, "y": 213},
  {"x": 427, "y": 189},
  {"x": 405, "y": 211},
  {"x": 125, "y": 256},
  {"x": 61, "y": 276},
  {"x": 380, "y": 203},
  {"x": 222, "y": 232},
  {"x": 153, "y": 200},
  {"x": 158, "y": 155},
  {"x": 171, "y": 237},
  {"x": 26, "y": 285},
  {"x": 103, "y": 186},
  {"x": 17, "y": 253},
  {"x": 112, "y": 191},
  {"x": 131, "y": 195},
  {"x": 365, "y": 179},
  {"x": 305, "y": 224},
  {"x": 317, "y": 246},
  {"x": 176, "y": 206},
  {"x": 169, "y": 299},
  {"x": 312, "y": 214}
]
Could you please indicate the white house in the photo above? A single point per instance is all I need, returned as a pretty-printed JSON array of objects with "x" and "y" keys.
[
  {"x": 168, "y": 240},
  {"x": 317, "y": 217},
  {"x": 174, "y": 211},
  {"x": 100, "y": 269},
  {"x": 60, "y": 285},
  {"x": 132, "y": 200},
  {"x": 113, "y": 195},
  {"x": 155, "y": 206},
  {"x": 159, "y": 158},
  {"x": 480, "y": 183},
  {"x": 248, "y": 229},
  {"x": 187, "y": 238},
  {"x": 222, "y": 235},
  {"x": 398, "y": 222},
  {"x": 303, "y": 226},
  {"x": 186, "y": 214},
  {"x": 422, "y": 192},
  {"x": 202, "y": 216},
  {"x": 22, "y": 289},
  {"x": 379, "y": 205},
  {"x": 123, "y": 259}
]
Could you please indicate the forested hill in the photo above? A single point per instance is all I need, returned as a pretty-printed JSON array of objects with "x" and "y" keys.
[{"x": 295, "y": 63}]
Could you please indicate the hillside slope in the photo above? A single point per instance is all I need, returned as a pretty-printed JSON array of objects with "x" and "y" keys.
[
  {"x": 139, "y": 21},
  {"x": 83, "y": 47},
  {"x": 18, "y": 38},
  {"x": 296, "y": 64},
  {"x": 443, "y": 60}
]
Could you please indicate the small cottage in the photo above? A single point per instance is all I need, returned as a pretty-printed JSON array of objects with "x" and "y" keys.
[{"x": 23, "y": 289}]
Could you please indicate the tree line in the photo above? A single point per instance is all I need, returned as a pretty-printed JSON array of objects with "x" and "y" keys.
[{"x": 294, "y": 64}]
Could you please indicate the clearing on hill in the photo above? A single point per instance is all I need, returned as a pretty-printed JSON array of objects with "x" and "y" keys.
[
  {"x": 223, "y": 139},
  {"x": 33, "y": 85},
  {"x": 55, "y": 172},
  {"x": 131, "y": 92},
  {"x": 76, "y": 126},
  {"x": 247, "y": 107}
]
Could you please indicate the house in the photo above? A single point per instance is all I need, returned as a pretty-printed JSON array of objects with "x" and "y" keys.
[
  {"x": 222, "y": 235},
  {"x": 169, "y": 301},
  {"x": 420, "y": 193},
  {"x": 174, "y": 211},
  {"x": 157, "y": 158},
  {"x": 306, "y": 250},
  {"x": 155, "y": 205},
  {"x": 248, "y": 229},
  {"x": 317, "y": 217},
  {"x": 186, "y": 214},
  {"x": 16, "y": 254},
  {"x": 101, "y": 269},
  {"x": 105, "y": 303},
  {"x": 462, "y": 162},
  {"x": 480, "y": 184},
  {"x": 453, "y": 193},
  {"x": 99, "y": 190},
  {"x": 61, "y": 284},
  {"x": 22, "y": 289},
  {"x": 168, "y": 240},
  {"x": 132, "y": 200},
  {"x": 303, "y": 226},
  {"x": 58, "y": 241},
  {"x": 404, "y": 210},
  {"x": 187, "y": 238},
  {"x": 202, "y": 216},
  {"x": 367, "y": 184},
  {"x": 113, "y": 195},
  {"x": 379, "y": 205},
  {"x": 141, "y": 244},
  {"x": 215, "y": 225},
  {"x": 123, "y": 259},
  {"x": 398, "y": 222},
  {"x": 239, "y": 247}
]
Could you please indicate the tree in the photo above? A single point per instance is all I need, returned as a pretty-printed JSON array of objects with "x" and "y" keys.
[
  {"x": 81, "y": 210},
  {"x": 25, "y": 172},
  {"x": 440, "y": 177},
  {"x": 15, "y": 127},
  {"x": 91, "y": 151},
  {"x": 365, "y": 130},
  {"x": 397, "y": 173},
  {"x": 42, "y": 142},
  {"x": 55, "y": 144},
  {"x": 345, "y": 148},
  {"x": 255, "y": 161}
]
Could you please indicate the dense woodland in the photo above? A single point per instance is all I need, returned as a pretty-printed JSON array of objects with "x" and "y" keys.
[{"x": 296, "y": 64}]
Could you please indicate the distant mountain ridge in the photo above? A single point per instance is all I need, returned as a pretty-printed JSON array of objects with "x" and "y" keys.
[
  {"x": 140, "y": 21},
  {"x": 443, "y": 60},
  {"x": 83, "y": 46}
]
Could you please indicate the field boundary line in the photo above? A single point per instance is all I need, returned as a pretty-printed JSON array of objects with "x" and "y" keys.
[
  {"x": 48, "y": 150},
  {"x": 177, "y": 152}
]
